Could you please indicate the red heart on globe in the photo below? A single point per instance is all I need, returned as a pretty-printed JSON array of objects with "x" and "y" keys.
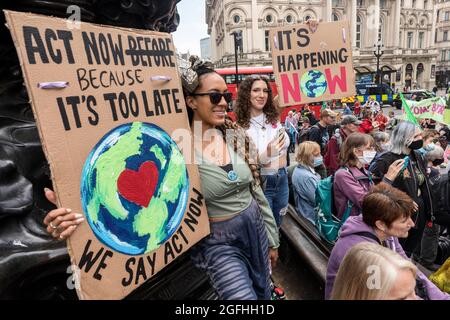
[{"x": 139, "y": 186}]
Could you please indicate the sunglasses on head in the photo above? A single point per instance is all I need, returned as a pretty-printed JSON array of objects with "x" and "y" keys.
[{"x": 215, "y": 97}]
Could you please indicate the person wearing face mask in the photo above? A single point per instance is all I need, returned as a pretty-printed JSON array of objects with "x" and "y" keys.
[
  {"x": 382, "y": 145},
  {"x": 352, "y": 181},
  {"x": 386, "y": 217},
  {"x": 349, "y": 125},
  {"x": 305, "y": 178},
  {"x": 406, "y": 140},
  {"x": 430, "y": 138}
]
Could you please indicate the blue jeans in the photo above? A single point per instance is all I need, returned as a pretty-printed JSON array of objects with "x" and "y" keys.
[
  {"x": 236, "y": 256},
  {"x": 276, "y": 190}
]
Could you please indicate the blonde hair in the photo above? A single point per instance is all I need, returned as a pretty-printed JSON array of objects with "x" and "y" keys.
[
  {"x": 305, "y": 152},
  {"x": 360, "y": 264}
]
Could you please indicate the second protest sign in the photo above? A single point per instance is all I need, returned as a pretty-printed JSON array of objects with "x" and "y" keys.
[{"x": 312, "y": 65}]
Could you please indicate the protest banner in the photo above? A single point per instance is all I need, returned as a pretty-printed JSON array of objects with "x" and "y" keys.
[
  {"x": 432, "y": 108},
  {"x": 107, "y": 101},
  {"x": 312, "y": 66}
]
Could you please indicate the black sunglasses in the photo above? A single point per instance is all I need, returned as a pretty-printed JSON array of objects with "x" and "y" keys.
[{"x": 215, "y": 97}]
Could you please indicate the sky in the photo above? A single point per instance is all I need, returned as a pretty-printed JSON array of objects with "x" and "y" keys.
[{"x": 192, "y": 26}]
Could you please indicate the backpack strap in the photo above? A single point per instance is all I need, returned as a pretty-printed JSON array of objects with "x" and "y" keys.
[
  {"x": 369, "y": 235},
  {"x": 347, "y": 212},
  {"x": 369, "y": 176}
]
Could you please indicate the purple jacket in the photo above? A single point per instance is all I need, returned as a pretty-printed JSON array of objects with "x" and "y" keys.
[
  {"x": 346, "y": 188},
  {"x": 348, "y": 238}
]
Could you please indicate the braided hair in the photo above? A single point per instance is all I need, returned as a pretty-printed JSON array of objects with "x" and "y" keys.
[{"x": 240, "y": 140}]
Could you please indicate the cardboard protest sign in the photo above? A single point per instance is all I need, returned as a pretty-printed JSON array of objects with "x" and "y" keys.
[
  {"x": 108, "y": 103},
  {"x": 312, "y": 66},
  {"x": 433, "y": 108}
]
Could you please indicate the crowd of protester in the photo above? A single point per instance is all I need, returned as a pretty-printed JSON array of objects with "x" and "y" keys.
[{"x": 383, "y": 171}]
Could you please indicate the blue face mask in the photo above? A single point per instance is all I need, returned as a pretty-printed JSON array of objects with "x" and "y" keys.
[
  {"x": 429, "y": 147},
  {"x": 318, "y": 161}
]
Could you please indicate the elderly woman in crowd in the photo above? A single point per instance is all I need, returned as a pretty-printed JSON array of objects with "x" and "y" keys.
[
  {"x": 396, "y": 275},
  {"x": 305, "y": 179},
  {"x": 386, "y": 216},
  {"x": 406, "y": 140}
]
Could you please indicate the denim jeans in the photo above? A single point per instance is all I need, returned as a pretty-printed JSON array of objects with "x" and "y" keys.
[
  {"x": 236, "y": 256},
  {"x": 276, "y": 190}
]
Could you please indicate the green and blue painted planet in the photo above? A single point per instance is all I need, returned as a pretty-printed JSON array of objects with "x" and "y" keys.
[
  {"x": 313, "y": 83},
  {"x": 134, "y": 188}
]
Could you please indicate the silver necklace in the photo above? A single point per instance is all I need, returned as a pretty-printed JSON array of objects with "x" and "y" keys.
[{"x": 263, "y": 127}]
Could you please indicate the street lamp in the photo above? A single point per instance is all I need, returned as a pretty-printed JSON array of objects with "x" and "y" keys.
[
  {"x": 378, "y": 52},
  {"x": 237, "y": 35}
]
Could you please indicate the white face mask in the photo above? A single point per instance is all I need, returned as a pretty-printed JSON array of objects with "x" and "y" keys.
[
  {"x": 367, "y": 157},
  {"x": 385, "y": 146}
]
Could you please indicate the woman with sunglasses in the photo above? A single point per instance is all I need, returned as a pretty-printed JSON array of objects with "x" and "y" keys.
[
  {"x": 257, "y": 114},
  {"x": 244, "y": 238}
]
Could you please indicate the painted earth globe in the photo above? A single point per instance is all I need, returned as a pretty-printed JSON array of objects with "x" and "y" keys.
[
  {"x": 313, "y": 83},
  {"x": 134, "y": 188}
]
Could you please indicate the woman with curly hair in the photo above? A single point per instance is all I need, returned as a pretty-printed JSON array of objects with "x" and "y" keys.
[{"x": 256, "y": 112}]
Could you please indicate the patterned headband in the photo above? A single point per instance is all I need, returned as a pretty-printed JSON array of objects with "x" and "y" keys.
[{"x": 189, "y": 78}]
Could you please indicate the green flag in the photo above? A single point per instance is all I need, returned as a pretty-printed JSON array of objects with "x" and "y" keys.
[
  {"x": 324, "y": 106},
  {"x": 409, "y": 115}
]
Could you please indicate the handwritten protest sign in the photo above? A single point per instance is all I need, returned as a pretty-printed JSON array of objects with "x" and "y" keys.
[
  {"x": 107, "y": 102},
  {"x": 433, "y": 108},
  {"x": 311, "y": 67}
]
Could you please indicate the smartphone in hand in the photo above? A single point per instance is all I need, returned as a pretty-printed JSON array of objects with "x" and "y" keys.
[
  {"x": 280, "y": 133},
  {"x": 405, "y": 165}
]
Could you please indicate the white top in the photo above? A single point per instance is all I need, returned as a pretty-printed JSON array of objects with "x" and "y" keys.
[{"x": 261, "y": 138}]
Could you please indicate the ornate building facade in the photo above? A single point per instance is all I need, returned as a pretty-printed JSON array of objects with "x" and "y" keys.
[
  {"x": 405, "y": 28},
  {"x": 442, "y": 42}
]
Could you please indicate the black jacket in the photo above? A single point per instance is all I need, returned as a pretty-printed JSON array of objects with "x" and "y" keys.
[{"x": 406, "y": 181}]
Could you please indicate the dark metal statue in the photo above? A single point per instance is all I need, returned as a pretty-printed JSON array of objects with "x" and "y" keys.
[{"x": 33, "y": 265}]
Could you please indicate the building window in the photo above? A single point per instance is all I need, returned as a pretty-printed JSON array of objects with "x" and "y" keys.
[
  {"x": 380, "y": 31},
  {"x": 413, "y": 4},
  {"x": 446, "y": 15},
  {"x": 236, "y": 19},
  {"x": 336, "y": 3},
  {"x": 382, "y": 4},
  {"x": 421, "y": 36},
  {"x": 335, "y": 17},
  {"x": 360, "y": 3},
  {"x": 445, "y": 36},
  {"x": 425, "y": 4},
  {"x": 410, "y": 40},
  {"x": 435, "y": 36},
  {"x": 358, "y": 31},
  {"x": 443, "y": 55},
  {"x": 402, "y": 3},
  {"x": 400, "y": 40},
  {"x": 448, "y": 54},
  {"x": 289, "y": 19},
  {"x": 267, "y": 40},
  {"x": 269, "y": 18}
]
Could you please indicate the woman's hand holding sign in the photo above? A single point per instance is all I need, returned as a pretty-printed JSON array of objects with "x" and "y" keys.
[{"x": 61, "y": 222}]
